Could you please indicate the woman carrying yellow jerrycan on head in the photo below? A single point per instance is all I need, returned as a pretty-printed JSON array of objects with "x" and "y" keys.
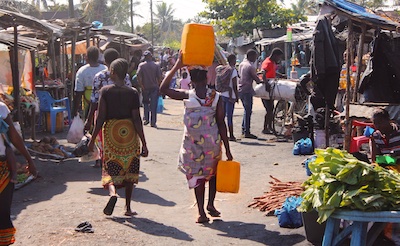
[{"x": 204, "y": 133}]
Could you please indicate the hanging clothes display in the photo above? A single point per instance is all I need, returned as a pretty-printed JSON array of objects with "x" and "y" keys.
[
  {"x": 381, "y": 80},
  {"x": 325, "y": 64}
]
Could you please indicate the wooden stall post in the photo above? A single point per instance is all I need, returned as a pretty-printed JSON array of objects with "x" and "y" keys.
[
  {"x": 33, "y": 109},
  {"x": 15, "y": 76},
  {"x": 73, "y": 46},
  {"x": 360, "y": 53},
  {"x": 348, "y": 86},
  {"x": 87, "y": 38},
  {"x": 53, "y": 58}
]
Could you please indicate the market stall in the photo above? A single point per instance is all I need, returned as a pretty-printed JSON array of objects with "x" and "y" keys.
[
  {"x": 22, "y": 52},
  {"x": 359, "y": 23}
]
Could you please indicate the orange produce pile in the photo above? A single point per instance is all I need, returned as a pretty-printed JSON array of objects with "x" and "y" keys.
[{"x": 274, "y": 198}]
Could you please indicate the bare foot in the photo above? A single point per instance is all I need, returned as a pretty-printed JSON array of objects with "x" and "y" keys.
[
  {"x": 130, "y": 213},
  {"x": 213, "y": 211},
  {"x": 202, "y": 219}
]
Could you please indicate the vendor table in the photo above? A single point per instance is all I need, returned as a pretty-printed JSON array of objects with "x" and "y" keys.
[
  {"x": 360, "y": 235},
  {"x": 56, "y": 91}
]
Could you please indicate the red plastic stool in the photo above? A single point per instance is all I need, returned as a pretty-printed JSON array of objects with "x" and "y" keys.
[{"x": 357, "y": 141}]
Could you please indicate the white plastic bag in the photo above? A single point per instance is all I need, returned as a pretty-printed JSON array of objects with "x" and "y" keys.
[{"x": 75, "y": 132}]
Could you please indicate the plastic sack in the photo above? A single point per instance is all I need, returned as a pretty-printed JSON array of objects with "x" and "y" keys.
[
  {"x": 160, "y": 105},
  {"x": 288, "y": 216},
  {"x": 279, "y": 90},
  {"x": 303, "y": 146},
  {"x": 75, "y": 132},
  {"x": 91, "y": 156},
  {"x": 306, "y": 162},
  {"x": 81, "y": 148}
]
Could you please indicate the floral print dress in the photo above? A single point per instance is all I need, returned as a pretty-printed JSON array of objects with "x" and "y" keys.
[{"x": 201, "y": 145}]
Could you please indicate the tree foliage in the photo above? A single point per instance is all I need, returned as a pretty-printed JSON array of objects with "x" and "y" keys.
[
  {"x": 370, "y": 3},
  {"x": 110, "y": 12},
  {"x": 242, "y": 17},
  {"x": 22, "y": 7},
  {"x": 305, "y": 7}
]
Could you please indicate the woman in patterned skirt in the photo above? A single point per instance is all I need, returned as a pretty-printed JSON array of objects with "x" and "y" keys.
[
  {"x": 122, "y": 128},
  {"x": 204, "y": 132},
  {"x": 7, "y": 229}
]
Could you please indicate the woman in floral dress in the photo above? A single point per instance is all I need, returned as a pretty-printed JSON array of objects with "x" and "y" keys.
[{"x": 204, "y": 133}]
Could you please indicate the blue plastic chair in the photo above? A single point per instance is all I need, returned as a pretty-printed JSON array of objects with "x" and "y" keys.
[{"x": 47, "y": 104}]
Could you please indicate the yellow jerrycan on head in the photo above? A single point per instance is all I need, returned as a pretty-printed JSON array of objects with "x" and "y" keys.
[
  {"x": 228, "y": 176},
  {"x": 198, "y": 44}
]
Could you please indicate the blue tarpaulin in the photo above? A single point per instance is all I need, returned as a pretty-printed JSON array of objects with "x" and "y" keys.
[{"x": 361, "y": 13}]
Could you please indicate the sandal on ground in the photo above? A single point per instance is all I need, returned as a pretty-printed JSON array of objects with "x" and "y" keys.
[
  {"x": 232, "y": 139},
  {"x": 84, "y": 227},
  {"x": 202, "y": 220},
  {"x": 132, "y": 213},
  {"x": 213, "y": 212},
  {"x": 108, "y": 210}
]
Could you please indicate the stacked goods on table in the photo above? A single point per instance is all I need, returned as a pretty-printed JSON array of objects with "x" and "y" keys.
[
  {"x": 340, "y": 181},
  {"x": 7, "y": 100},
  {"x": 274, "y": 198},
  {"x": 49, "y": 146}
]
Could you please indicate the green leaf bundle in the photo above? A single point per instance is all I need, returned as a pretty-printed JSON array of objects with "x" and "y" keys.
[{"x": 340, "y": 181}]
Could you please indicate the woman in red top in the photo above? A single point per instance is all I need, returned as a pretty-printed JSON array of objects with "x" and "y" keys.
[{"x": 269, "y": 67}]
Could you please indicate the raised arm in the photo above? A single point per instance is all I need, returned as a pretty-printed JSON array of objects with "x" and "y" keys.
[{"x": 177, "y": 94}]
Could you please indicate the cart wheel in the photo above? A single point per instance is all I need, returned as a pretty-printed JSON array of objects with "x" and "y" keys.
[{"x": 282, "y": 116}]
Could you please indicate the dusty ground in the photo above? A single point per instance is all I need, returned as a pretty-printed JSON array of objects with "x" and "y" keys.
[{"x": 46, "y": 211}]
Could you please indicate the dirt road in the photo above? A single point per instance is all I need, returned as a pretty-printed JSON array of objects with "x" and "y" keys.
[{"x": 46, "y": 211}]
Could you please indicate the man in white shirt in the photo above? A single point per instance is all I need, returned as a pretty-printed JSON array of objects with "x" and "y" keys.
[{"x": 84, "y": 79}]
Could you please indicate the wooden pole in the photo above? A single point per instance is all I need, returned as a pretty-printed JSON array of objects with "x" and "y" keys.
[
  {"x": 360, "y": 53},
  {"x": 348, "y": 86},
  {"x": 62, "y": 67},
  {"x": 73, "y": 46},
  {"x": 131, "y": 12},
  {"x": 15, "y": 75},
  {"x": 87, "y": 38},
  {"x": 53, "y": 58},
  {"x": 33, "y": 113}
]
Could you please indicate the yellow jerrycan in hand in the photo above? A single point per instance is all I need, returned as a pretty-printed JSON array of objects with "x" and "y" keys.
[{"x": 228, "y": 176}]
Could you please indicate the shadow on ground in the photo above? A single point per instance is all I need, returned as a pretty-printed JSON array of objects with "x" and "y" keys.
[
  {"x": 254, "y": 232},
  {"x": 152, "y": 228},
  {"x": 139, "y": 195},
  {"x": 255, "y": 143}
]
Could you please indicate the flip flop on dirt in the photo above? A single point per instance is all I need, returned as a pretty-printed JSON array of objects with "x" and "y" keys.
[
  {"x": 108, "y": 210},
  {"x": 131, "y": 213},
  {"x": 202, "y": 220},
  {"x": 213, "y": 212}
]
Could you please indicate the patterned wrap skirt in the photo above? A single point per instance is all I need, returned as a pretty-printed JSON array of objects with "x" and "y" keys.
[
  {"x": 7, "y": 230},
  {"x": 121, "y": 152}
]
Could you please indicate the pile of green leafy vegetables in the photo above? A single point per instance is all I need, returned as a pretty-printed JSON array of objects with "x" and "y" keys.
[{"x": 340, "y": 181}]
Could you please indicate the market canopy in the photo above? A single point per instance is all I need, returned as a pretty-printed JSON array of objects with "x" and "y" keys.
[
  {"x": 23, "y": 42},
  {"x": 300, "y": 36},
  {"x": 10, "y": 19},
  {"x": 362, "y": 15}
]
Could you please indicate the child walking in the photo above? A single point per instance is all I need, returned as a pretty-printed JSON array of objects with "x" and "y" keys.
[{"x": 204, "y": 133}]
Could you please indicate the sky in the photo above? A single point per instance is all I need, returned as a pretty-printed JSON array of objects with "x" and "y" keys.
[{"x": 184, "y": 9}]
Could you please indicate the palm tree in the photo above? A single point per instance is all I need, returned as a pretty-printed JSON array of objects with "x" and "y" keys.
[
  {"x": 304, "y": 7},
  {"x": 44, "y": 2},
  {"x": 133, "y": 5},
  {"x": 164, "y": 16}
]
